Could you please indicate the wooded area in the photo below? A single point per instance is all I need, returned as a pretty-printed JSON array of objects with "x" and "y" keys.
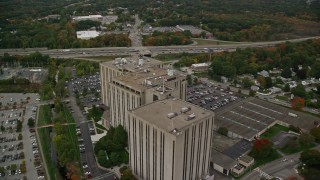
[{"x": 25, "y": 24}]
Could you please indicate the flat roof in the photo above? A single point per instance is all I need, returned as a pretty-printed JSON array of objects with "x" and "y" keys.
[
  {"x": 250, "y": 116},
  {"x": 87, "y": 34},
  {"x": 222, "y": 160},
  {"x": 238, "y": 149},
  {"x": 132, "y": 64},
  {"x": 246, "y": 158},
  {"x": 153, "y": 77},
  {"x": 156, "y": 113}
]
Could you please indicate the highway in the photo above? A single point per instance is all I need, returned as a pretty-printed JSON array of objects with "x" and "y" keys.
[{"x": 129, "y": 51}]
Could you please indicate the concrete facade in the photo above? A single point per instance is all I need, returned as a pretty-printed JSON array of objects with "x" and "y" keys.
[
  {"x": 136, "y": 89},
  {"x": 166, "y": 143},
  {"x": 120, "y": 66}
]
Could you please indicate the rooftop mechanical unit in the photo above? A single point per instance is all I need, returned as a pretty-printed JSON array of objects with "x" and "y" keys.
[
  {"x": 172, "y": 115},
  {"x": 190, "y": 117}
]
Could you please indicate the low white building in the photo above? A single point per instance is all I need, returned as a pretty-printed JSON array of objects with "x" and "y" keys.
[
  {"x": 275, "y": 90},
  {"x": 200, "y": 67},
  {"x": 264, "y": 73},
  {"x": 254, "y": 88},
  {"x": 292, "y": 84},
  {"x": 90, "y": 17},
  {"x": 87, "y": 34}
]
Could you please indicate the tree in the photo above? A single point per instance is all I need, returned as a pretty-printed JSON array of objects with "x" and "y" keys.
[
  {"x": 120, "y": 136},
  {"x": 252, "y": 93},
  {"x": 189, "y": 79},
  {"x": 195, "y": 80},
  {"x": 299, "y": 91},
  {"x": 262, "y": 81},
  {"x": 268, "y": 82},
  {"x": 262, "y": 148},
  {"x": 20, "y": 137},
  {"x": 115, "y": 158},
  {"x": 73, "y": 171},
  {"x": 302, "y": 74},
  {"x": 315, "y": 132},
  {"x": 306, "y": 139},
  {"x": 310, "y": 157},
  {"x": 286, "y": 72},
  {"x": 247, "y": 83},
  {"x": 2, "y": 128},
  {"x": 297, "y": 103},
  {"x": 286, "y": 88},
  {"x": 19, "y": 126},
  {"x": 223, "y": 131},
  {"x": 311, "y": 162},
  {"x": 127, "y": 175},
  {"x": 203, "y": 34},
  {"x": 31, "y": 122}
]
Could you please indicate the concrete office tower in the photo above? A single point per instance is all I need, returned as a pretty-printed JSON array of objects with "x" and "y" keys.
[
  {"x": 119, "y": 66},
  {"x": 132, "y": 90},
  {"x": 170, "y": 140}
]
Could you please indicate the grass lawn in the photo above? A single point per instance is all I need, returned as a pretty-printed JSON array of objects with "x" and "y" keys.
[
  {"x": 71, "y": 131},
  {"x": 274, "y": 130},
  {"x": 44, "y": 136},
  {"x": 284, "y": 98},
  {"x": 213, "y": 42},
  {"x": 168, "y": 57},
  {"x": 290, "y": 150},
  {"x": 201, "y": 74},
  {"x": 45, "y": 115},
  {"x": 100, "y": 127}
]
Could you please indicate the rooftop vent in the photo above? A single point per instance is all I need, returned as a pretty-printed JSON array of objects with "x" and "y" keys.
[
  {"x": 172, "y": 115},
  {"x": 185, "y": 109},
  {"x": 190, "y": 117}
]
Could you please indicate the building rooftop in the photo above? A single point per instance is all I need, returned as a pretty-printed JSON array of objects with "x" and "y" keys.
[
  {"x": 238, "y": 149},
  {"x": 145, "y": 79},
  {"x": 250, "y": 116},
  {"x": 171, "y": 115},
  {"x": 79, "y": 18},
  {"x": 222, "y": 159},
  {"x": 87, "y": 34},
  {"x": 132, "y": 64},
  {"x": 246, "y": 159}
]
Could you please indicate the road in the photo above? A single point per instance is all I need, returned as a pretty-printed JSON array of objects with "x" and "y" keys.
[
  {"x": 125, "y": 51},
  {"x": 278, "y": 168},
  {"x": 135, "y": 35},
  {"x": 88, "y": 156}
]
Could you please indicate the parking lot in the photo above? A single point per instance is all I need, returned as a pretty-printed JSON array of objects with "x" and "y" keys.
[
  {"x": 19, "y": 157},
  {"x": 210, "y": 96},
  {"x": 88, "y": 87}
]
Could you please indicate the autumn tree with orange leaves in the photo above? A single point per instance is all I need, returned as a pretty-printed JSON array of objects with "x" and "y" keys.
[
  {"x": 262, "y": 148},
  {"x": 73, "y": 171},
  {"x": 297, "y": 103}
]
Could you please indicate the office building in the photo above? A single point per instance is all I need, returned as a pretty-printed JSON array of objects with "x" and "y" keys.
[
  {"x": 131, "y": 90},
  {"x": 120, "y": 66},
  {"x": 170, "y": 140}
]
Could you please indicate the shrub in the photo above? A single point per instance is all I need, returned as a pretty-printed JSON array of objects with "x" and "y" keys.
[{"x": 223, "y": 131}]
